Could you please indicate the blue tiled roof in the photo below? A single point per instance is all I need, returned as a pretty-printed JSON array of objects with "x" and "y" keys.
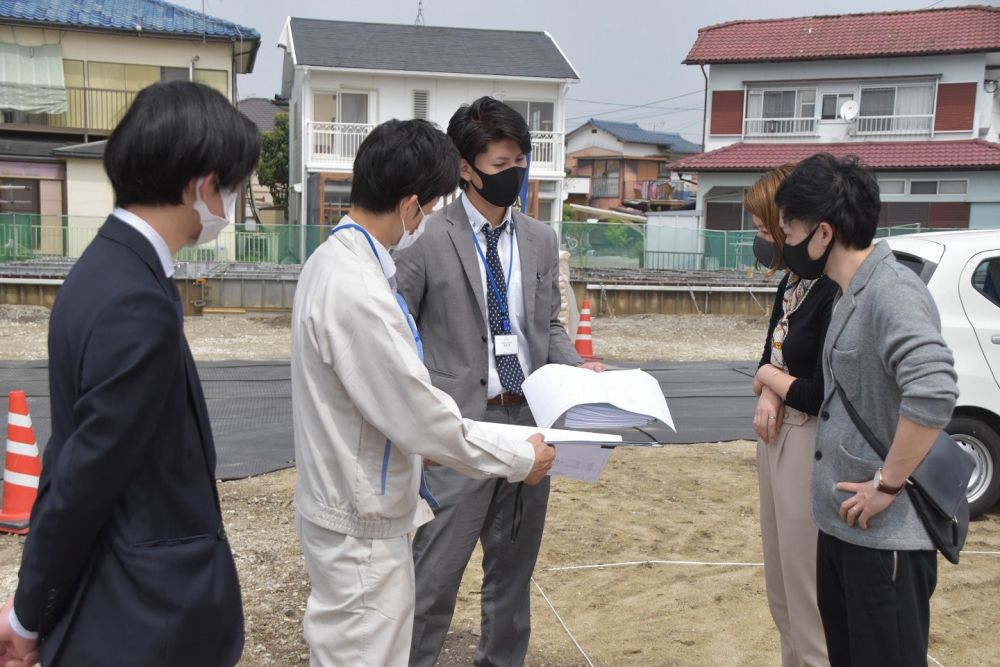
[
  {"x": 154, "y": 16},
  {"x": 632, "y": 133}
]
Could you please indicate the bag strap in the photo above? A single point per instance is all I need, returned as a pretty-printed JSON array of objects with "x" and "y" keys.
[{"x": 860, "y": 424}]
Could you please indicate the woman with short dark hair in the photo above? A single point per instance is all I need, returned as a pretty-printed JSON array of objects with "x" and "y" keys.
[
  {"x": 789, "y": 387},
  {"x": 876, "y": 564}
]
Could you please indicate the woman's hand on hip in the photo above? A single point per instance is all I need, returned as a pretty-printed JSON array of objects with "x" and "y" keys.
[{"x": 866, "y": 502}]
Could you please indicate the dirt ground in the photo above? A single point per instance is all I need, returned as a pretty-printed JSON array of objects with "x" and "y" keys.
[{"x": 674, "y": 531}]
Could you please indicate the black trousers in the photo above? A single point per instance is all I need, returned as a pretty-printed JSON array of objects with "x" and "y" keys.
[{"x": 875, "y": 604}]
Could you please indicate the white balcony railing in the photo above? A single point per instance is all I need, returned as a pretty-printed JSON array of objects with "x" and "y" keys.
[
  {"x": 334, "y": 145},
  {"x": 783, "y": 127},
  {"x": 895, "y": 125},
  {"x": 547, "y": 151}
]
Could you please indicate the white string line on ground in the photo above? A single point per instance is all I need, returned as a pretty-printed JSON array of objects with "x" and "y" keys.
[
  {"x": 653, "y": 562},
  {"x": 562, "y": 623},
  {"x": 981, "y": 553},
  {"x": 932, "y": 659}
]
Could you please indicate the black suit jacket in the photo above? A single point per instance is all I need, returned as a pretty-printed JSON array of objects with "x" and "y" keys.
[{"x": 126, "y": 562}]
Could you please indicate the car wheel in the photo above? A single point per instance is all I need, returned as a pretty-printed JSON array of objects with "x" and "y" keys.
[{"x": 981, "y": 442}]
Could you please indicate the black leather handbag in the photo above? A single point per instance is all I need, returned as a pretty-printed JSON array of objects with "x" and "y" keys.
[{"x": 936, "y": 488}]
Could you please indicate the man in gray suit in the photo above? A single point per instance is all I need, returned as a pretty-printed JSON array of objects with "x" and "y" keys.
[{"x": 483, "y": 286}]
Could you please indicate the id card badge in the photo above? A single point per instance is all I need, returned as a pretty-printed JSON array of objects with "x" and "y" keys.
[{"x": 505, "y": 345}]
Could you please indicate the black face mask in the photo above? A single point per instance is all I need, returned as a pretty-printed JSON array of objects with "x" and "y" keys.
[
  {"x": 799, "y": 262},
  {"x": 766, "y": 253},
  {"x": 500, "y": 189}
]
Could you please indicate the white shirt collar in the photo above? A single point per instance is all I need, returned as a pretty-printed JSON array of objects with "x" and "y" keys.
[
  {"x": 153, "y": 236},
  {"x": 477, "y": 219},
  {"x": 384, "y": 258}
]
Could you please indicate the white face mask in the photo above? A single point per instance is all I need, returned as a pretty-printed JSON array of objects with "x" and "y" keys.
[
  {"x": 409, "y": 238},
  {"x": 212, "y": 224}
]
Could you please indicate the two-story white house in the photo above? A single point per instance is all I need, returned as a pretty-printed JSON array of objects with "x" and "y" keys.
[
  {"x": 344, "y": 78},
  {"x": 913, "y": 94}
]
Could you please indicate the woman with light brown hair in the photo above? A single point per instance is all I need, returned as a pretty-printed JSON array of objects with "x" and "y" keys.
[{"x": 789, "y": 387}]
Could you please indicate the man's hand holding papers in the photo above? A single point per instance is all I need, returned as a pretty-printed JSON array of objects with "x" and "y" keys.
[{"x": 545, "y": 455}]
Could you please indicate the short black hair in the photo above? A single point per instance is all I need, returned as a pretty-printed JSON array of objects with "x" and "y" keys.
[
  {"x": 475, "y": 126},
  {"x": 400, "y": 158},
  {"x": 175, "y": 132},
  {"x": 842, "y": 192}
]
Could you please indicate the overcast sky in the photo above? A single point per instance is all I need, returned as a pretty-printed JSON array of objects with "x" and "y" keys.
[{"x": 628, "y": 53}]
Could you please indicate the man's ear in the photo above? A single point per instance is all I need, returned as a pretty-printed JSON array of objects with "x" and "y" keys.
[
  {"x": 827, "y": 233},
  {"x": 408, "y": 204},
  {"x": 188, "y": 193},
  {"x": 465, "y": 170}
]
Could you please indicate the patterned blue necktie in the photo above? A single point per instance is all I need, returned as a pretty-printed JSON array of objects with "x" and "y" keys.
[{"x": 508, "y": 366}]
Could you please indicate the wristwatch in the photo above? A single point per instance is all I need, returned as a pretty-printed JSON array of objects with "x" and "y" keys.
[{"x": 884, "y": 488}]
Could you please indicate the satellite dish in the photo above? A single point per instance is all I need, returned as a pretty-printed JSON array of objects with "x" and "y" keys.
[{"x": 849, "y": 110}]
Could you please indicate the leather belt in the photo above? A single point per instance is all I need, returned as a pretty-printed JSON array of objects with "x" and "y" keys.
[{"x": 506, "y": 399}]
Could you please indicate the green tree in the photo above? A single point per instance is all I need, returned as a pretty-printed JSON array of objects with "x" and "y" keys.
[
  {"x": 272, "y": 172},
  {"x": 569, "y": 213}
]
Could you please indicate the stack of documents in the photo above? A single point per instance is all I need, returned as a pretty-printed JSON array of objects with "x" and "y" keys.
[
  {"x": 574, "y": 459},
  {"x": 612, "y": 399}
]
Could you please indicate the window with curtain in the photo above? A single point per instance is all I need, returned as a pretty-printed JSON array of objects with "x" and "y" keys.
[
  {"x": 904, "y": 109},
  {"x": 781, "y": 111},
  {"x": 32, "y": 79}
]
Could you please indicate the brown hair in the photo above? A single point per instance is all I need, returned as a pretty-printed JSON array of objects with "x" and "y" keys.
[{"x": 759, "y": 200}]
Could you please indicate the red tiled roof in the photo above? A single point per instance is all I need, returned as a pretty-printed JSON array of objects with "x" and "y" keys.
[
  {"x": 974, "y": 28},
  {"x": 879, "y": 155}
]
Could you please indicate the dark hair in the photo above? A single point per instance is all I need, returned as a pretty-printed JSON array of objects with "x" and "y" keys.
[
  {"x": 475, "y": 126},
  {"x": 400, "y": 158},
  {"x": 175, "y": 132},
  {"x": 841, "y": 192}
]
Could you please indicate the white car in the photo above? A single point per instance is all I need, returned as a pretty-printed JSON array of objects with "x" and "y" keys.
[{"x": 962, "y": 272}]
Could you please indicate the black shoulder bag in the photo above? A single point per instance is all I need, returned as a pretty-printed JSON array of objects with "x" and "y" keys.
[{"x": 936, "y": 488}]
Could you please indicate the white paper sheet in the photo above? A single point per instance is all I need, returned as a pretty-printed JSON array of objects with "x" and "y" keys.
[
  {"x": 576, "y": 461},
  {"x": 612, "y": 399}
]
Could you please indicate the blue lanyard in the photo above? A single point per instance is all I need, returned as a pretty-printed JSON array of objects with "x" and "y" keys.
[
  {"x": 501, "y": 303},
  {"x": 399, "y": 299}
]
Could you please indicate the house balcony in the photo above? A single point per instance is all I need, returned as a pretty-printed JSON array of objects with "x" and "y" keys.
[
  {"x": 548, "y": 152},
  {"x": 917, "y": 124},
  {"x": 779, "y": 127},
  {"x": 332, "y": 147},
  {"x": 88, "y": 111}
]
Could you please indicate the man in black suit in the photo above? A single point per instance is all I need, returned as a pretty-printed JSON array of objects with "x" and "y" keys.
[{"x": 127, "y": 562}]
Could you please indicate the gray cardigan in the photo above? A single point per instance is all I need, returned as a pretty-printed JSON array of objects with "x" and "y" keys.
[{"x": 884, "y": 346}]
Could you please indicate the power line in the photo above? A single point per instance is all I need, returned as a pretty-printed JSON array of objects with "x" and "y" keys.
[
  {"x": 629, "y": 106},
  {"x": 637, "y": 106}
]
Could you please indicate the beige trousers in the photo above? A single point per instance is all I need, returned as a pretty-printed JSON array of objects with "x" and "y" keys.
[
  {"x": 360, "y": 609},
  {"x": 784, "y": 470}
]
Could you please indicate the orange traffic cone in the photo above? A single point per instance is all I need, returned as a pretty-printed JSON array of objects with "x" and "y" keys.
[
  {"x": 584, "y": 343},
  {"x": 22, "y": 467}
]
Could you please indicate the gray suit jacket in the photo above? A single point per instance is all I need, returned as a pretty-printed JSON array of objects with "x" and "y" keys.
[
  {"x": 440, "y": 280},
  {"x": 884, "y": 346}
]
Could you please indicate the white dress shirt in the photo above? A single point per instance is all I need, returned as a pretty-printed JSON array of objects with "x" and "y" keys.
[
  {"x": 153, "y": 236},
  {"x": 509, "y": 256}
]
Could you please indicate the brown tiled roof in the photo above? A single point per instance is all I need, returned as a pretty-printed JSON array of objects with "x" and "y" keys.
[
  {"x": 968, "y": 29},
  {"x": 879, "y": 155}
]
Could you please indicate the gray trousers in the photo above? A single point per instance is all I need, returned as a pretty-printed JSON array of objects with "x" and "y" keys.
[{"x": 478, "y": 510}]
